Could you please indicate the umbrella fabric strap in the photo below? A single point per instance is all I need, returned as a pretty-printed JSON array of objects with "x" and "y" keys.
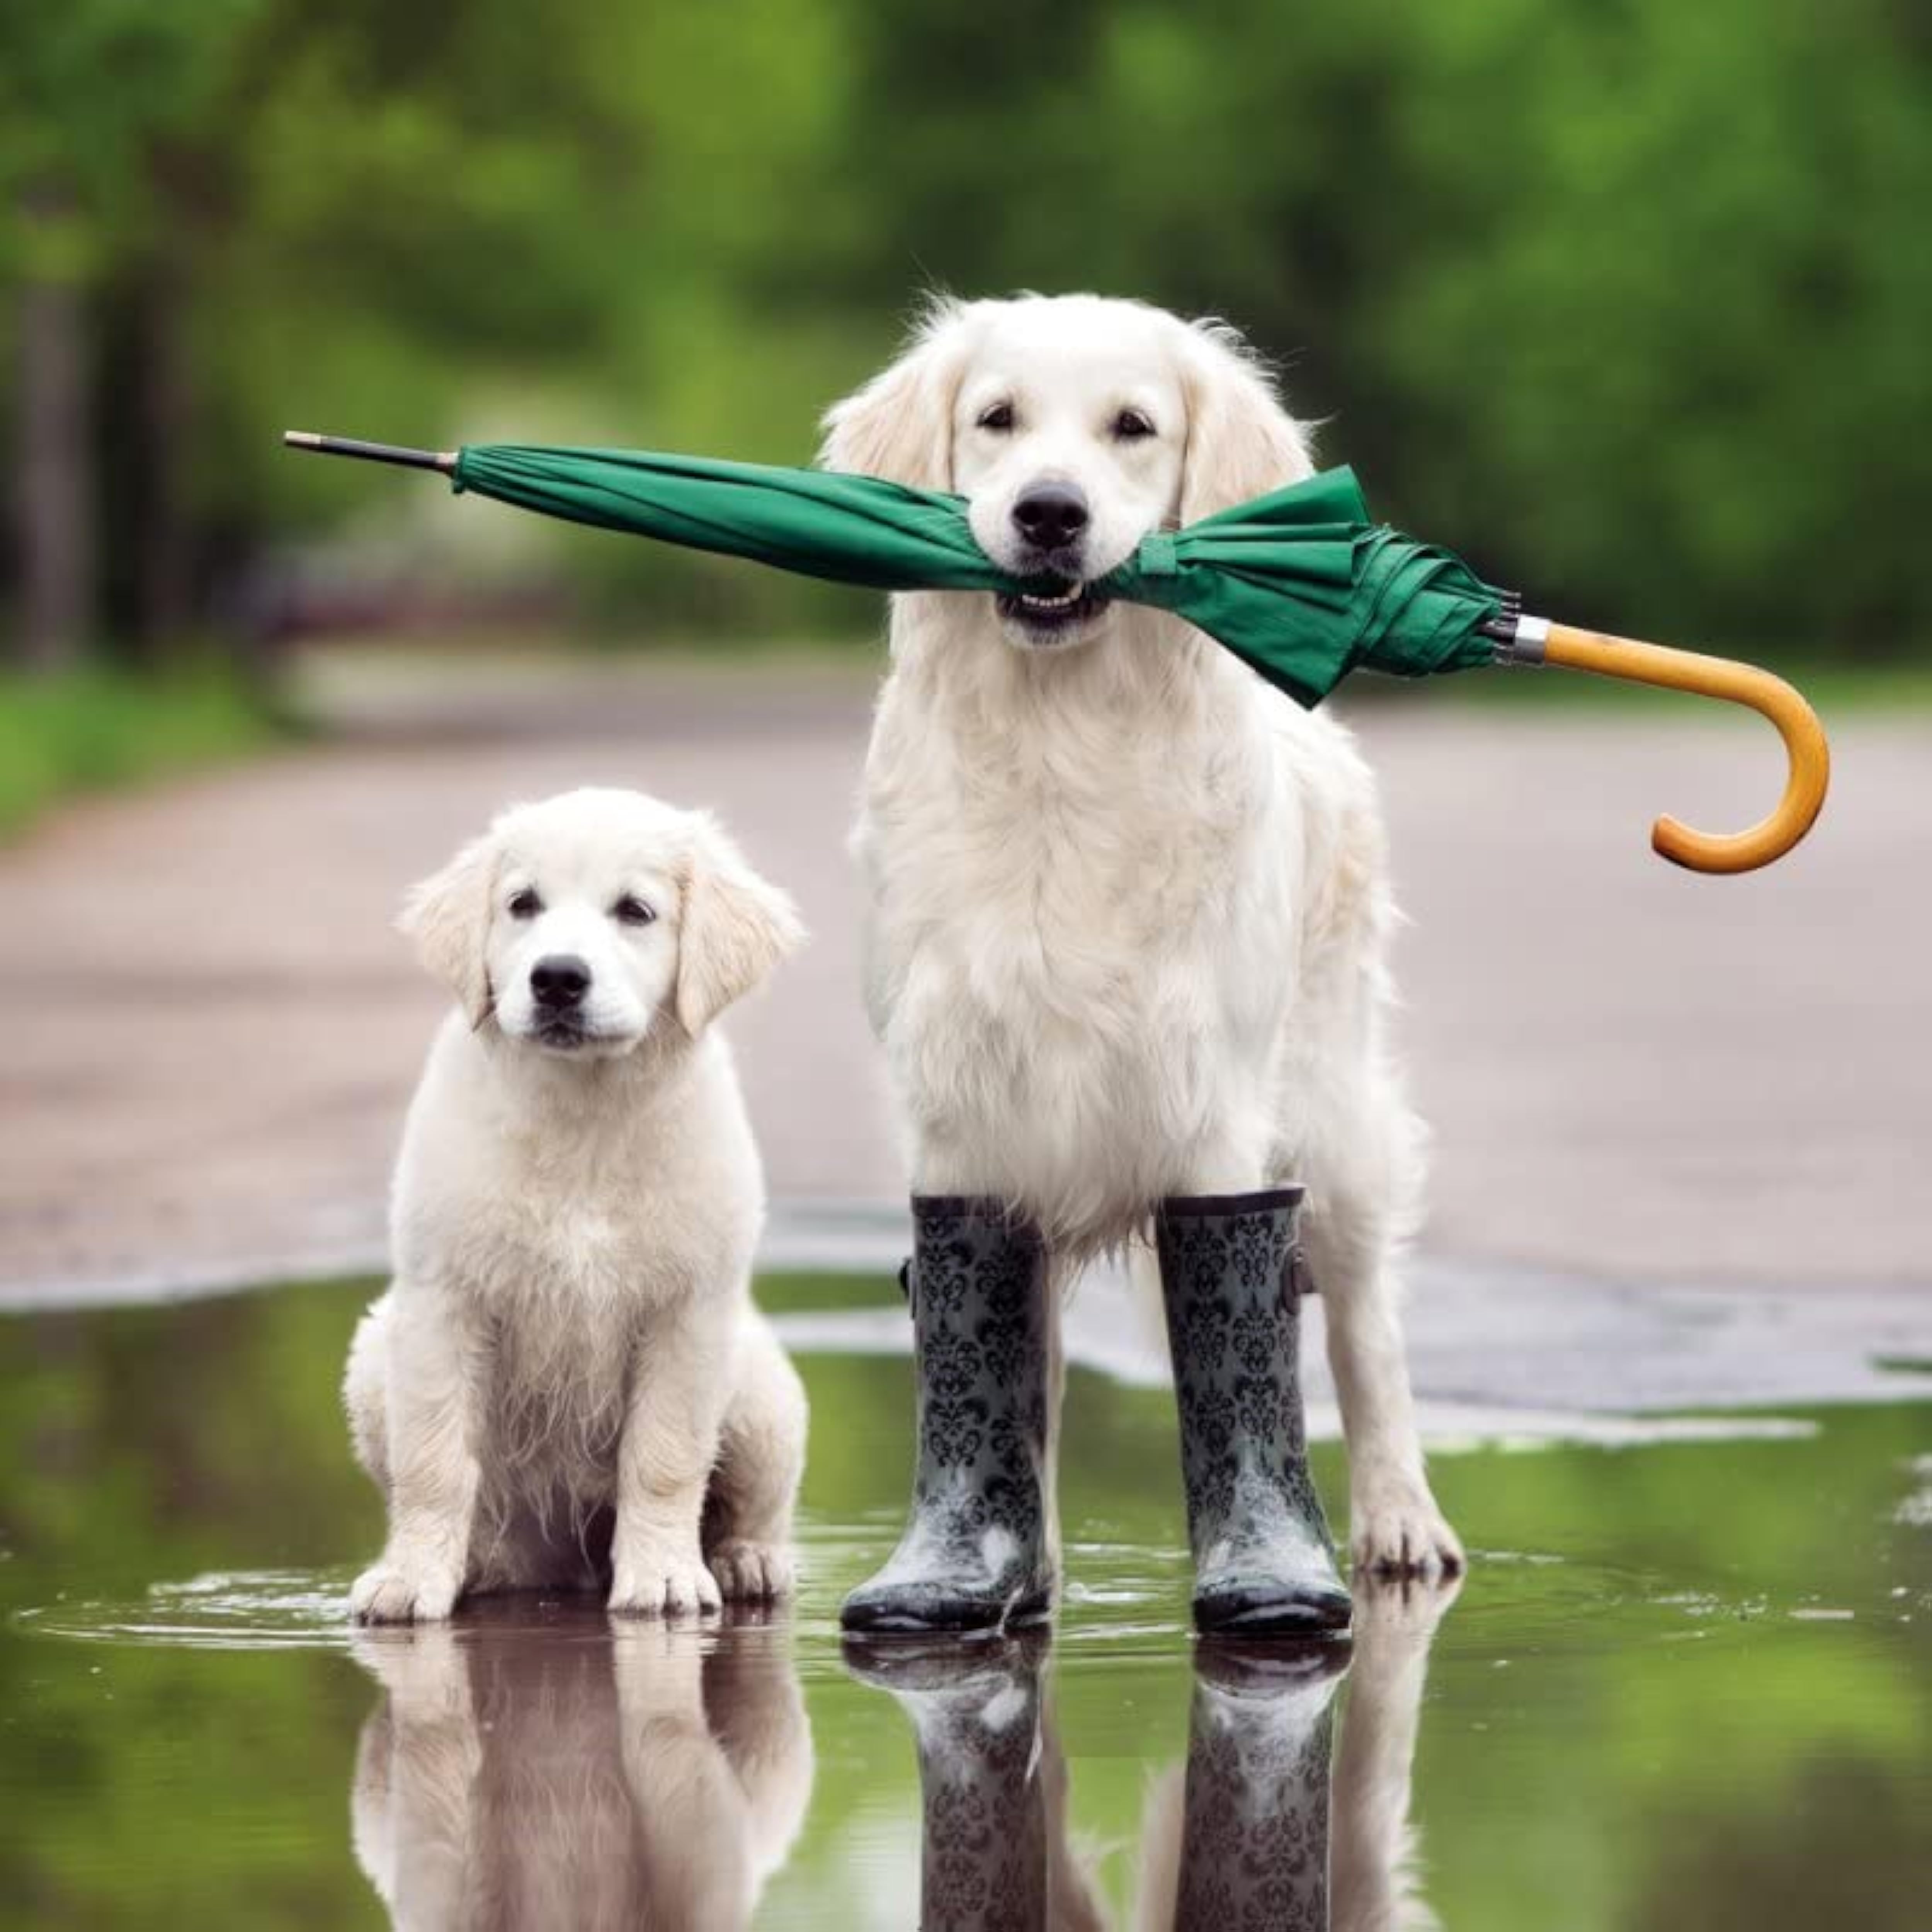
[{"x": 1159, "y": 555}]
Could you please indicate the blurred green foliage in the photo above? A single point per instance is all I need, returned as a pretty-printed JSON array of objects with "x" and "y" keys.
[
  {"x": 104, "y": 727},
  {"x": 1629, "y": 300}
]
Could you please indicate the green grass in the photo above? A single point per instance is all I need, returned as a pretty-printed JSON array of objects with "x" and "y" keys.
[{"x": 89, "y": 729}]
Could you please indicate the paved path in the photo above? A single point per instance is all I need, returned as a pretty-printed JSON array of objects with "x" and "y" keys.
[{"x": 1633, "y": 1075}]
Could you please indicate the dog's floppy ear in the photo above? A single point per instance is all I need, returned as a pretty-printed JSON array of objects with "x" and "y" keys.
[
  {"x": 1240, "y": 442},
  {"x": 448, "y": 915},
  {"x": 899, "y": 426},
  {"x": 736, "y": 927}
]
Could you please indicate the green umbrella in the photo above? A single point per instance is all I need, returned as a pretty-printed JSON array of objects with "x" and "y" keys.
[{"x": 1299, "y": 583}]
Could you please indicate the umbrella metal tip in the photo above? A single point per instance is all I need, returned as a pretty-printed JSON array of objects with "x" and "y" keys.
[{"x": 444, "y": 460}]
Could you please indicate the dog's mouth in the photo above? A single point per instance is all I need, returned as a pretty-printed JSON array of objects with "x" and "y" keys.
[
  {"x": 1044, "y": 616},
  {"x": 564, "y": 1035}
]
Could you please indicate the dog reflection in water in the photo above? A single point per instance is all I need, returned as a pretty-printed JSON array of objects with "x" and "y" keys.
[
  {"x": 540, "y": 1770},
  {"x": 1267, "y": 1826}
]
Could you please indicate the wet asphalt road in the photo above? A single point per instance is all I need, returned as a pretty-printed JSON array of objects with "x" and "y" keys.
[{"x": 1634, "y": 1074}]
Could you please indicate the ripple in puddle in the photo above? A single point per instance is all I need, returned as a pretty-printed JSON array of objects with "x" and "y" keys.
[{"x": 253, "y": 1610}]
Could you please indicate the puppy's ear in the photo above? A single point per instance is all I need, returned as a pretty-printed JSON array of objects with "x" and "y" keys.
[
  {"x": 1240, "y": 442},
  {"x": 448, "y": 915},
  {"x": 899, "y": 426},
  {"x": 736, "y": 927}
]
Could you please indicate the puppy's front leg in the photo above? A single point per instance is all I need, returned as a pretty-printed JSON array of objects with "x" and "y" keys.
[
  {"x": 434, "y": 1376},
  {"x": 680, "y": 1379},
  {"x": 415, "y": 1796},
  {"x": 690, "y": 1813}
]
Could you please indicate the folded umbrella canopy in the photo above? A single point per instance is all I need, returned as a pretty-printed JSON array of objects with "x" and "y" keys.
[{"x": 1300, "y": 583}]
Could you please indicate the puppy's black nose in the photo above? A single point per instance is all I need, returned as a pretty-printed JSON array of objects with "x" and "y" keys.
[
  {"x": 1051, "y": 515},
  {"x": 559, "y": 979}
]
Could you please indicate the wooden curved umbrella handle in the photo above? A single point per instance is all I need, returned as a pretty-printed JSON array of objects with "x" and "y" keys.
[{"x": 1798, "y": 725}]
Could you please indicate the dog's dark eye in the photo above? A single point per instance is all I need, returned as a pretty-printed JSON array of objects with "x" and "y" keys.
[
  {"x": 632, "y": 910},
  {"x": 1129, "y": 426},
  {"x": 996, "y": 416},
  {"x": 526, "y": 904}
]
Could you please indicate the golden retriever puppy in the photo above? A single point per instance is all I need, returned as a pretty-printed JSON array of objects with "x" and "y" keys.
[
  {"x": 567, "y": 1383},
  {"x": 556, "y": 1772}
]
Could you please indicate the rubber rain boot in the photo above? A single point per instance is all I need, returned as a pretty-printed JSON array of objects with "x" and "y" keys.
[
  {"x": 1232, "y": 1278},
  {"x": 992, "y": 1778},
  {"x": 976, "y": 1551},
  {"x": 1254, "y": 1845}
]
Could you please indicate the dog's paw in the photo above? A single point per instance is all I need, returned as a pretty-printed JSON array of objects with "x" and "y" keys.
[
  {"x": 663, "y": 1583},
  {"x": 1402, "y": 1611},
  {"x": 396, "y": 1593},
  {"x": 752, "y": 1573},
  {"x": 1398, "y": 1532}
]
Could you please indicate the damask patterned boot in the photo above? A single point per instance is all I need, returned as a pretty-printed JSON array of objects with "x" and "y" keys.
[
  {"x": 991, "y": 1777},
  {"x": 1254, "y": 1847},
  {"x": 1233, "y": 1277},
  {"x": 976, "y": 1553}
]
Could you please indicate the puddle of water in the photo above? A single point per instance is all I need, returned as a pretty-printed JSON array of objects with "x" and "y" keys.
[{"x": 1686, "y": 1683}]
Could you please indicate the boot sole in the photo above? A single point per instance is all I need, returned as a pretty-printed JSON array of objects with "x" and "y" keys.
[
  {"x": 958, "y": 1617},
  {"x": 1282, "y": 1618}
]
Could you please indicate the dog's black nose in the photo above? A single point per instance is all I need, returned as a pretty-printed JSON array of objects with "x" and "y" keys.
[
  {"x": 559, "y": 979},
  {"x": 1051, "y": 515}
]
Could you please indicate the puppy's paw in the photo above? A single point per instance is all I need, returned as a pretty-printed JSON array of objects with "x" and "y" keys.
[
  {"x": 1395, "y": 1530},
  {"x": 401, "y": 1593},
  {"x": 663, "y": 1583},
  {"x": 419, "y": 1665},
  {"x": 752, "y": 1573}
]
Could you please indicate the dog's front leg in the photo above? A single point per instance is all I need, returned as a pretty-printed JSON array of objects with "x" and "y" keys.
[
  {"x": 1395, "y": 1527},
  {"x": 1373, "y": 1863},
  {"x": 680, "y": 1383},
  {"x": 434, "y": 1374}
]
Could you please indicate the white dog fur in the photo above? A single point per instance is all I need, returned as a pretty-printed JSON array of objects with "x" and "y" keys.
[
  {"x": 1129, "y": 907},
  {"x": 541, "y": 1774},
  {"x": 568, "y": 1376}
]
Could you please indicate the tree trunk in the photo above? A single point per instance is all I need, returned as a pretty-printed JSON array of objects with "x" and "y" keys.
[
  {"x": 55, "y": 482},
  {"x": 162, "y": 537}
]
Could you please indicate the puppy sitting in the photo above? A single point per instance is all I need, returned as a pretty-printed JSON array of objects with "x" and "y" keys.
[{"x": 567, "y": 1384}]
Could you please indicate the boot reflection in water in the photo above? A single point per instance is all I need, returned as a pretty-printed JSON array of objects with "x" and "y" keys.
[
  {"x": 1254, "y": 1849},
  {"x": 1250, "y": 1850},
  {"x": 1255, "y": 1833},
  {"x": 1258, "y": 1833},
  {"x": 992, "y": 1780},
  {"x": 538, "y": 1769}
]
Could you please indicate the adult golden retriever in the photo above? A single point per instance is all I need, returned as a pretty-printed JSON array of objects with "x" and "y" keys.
[{"x": 1129, "y": 907}]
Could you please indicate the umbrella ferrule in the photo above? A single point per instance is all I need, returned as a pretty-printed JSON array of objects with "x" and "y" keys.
[
  {"x": 1520, "y": 640},
  {"x": 444, "y": 460}
]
